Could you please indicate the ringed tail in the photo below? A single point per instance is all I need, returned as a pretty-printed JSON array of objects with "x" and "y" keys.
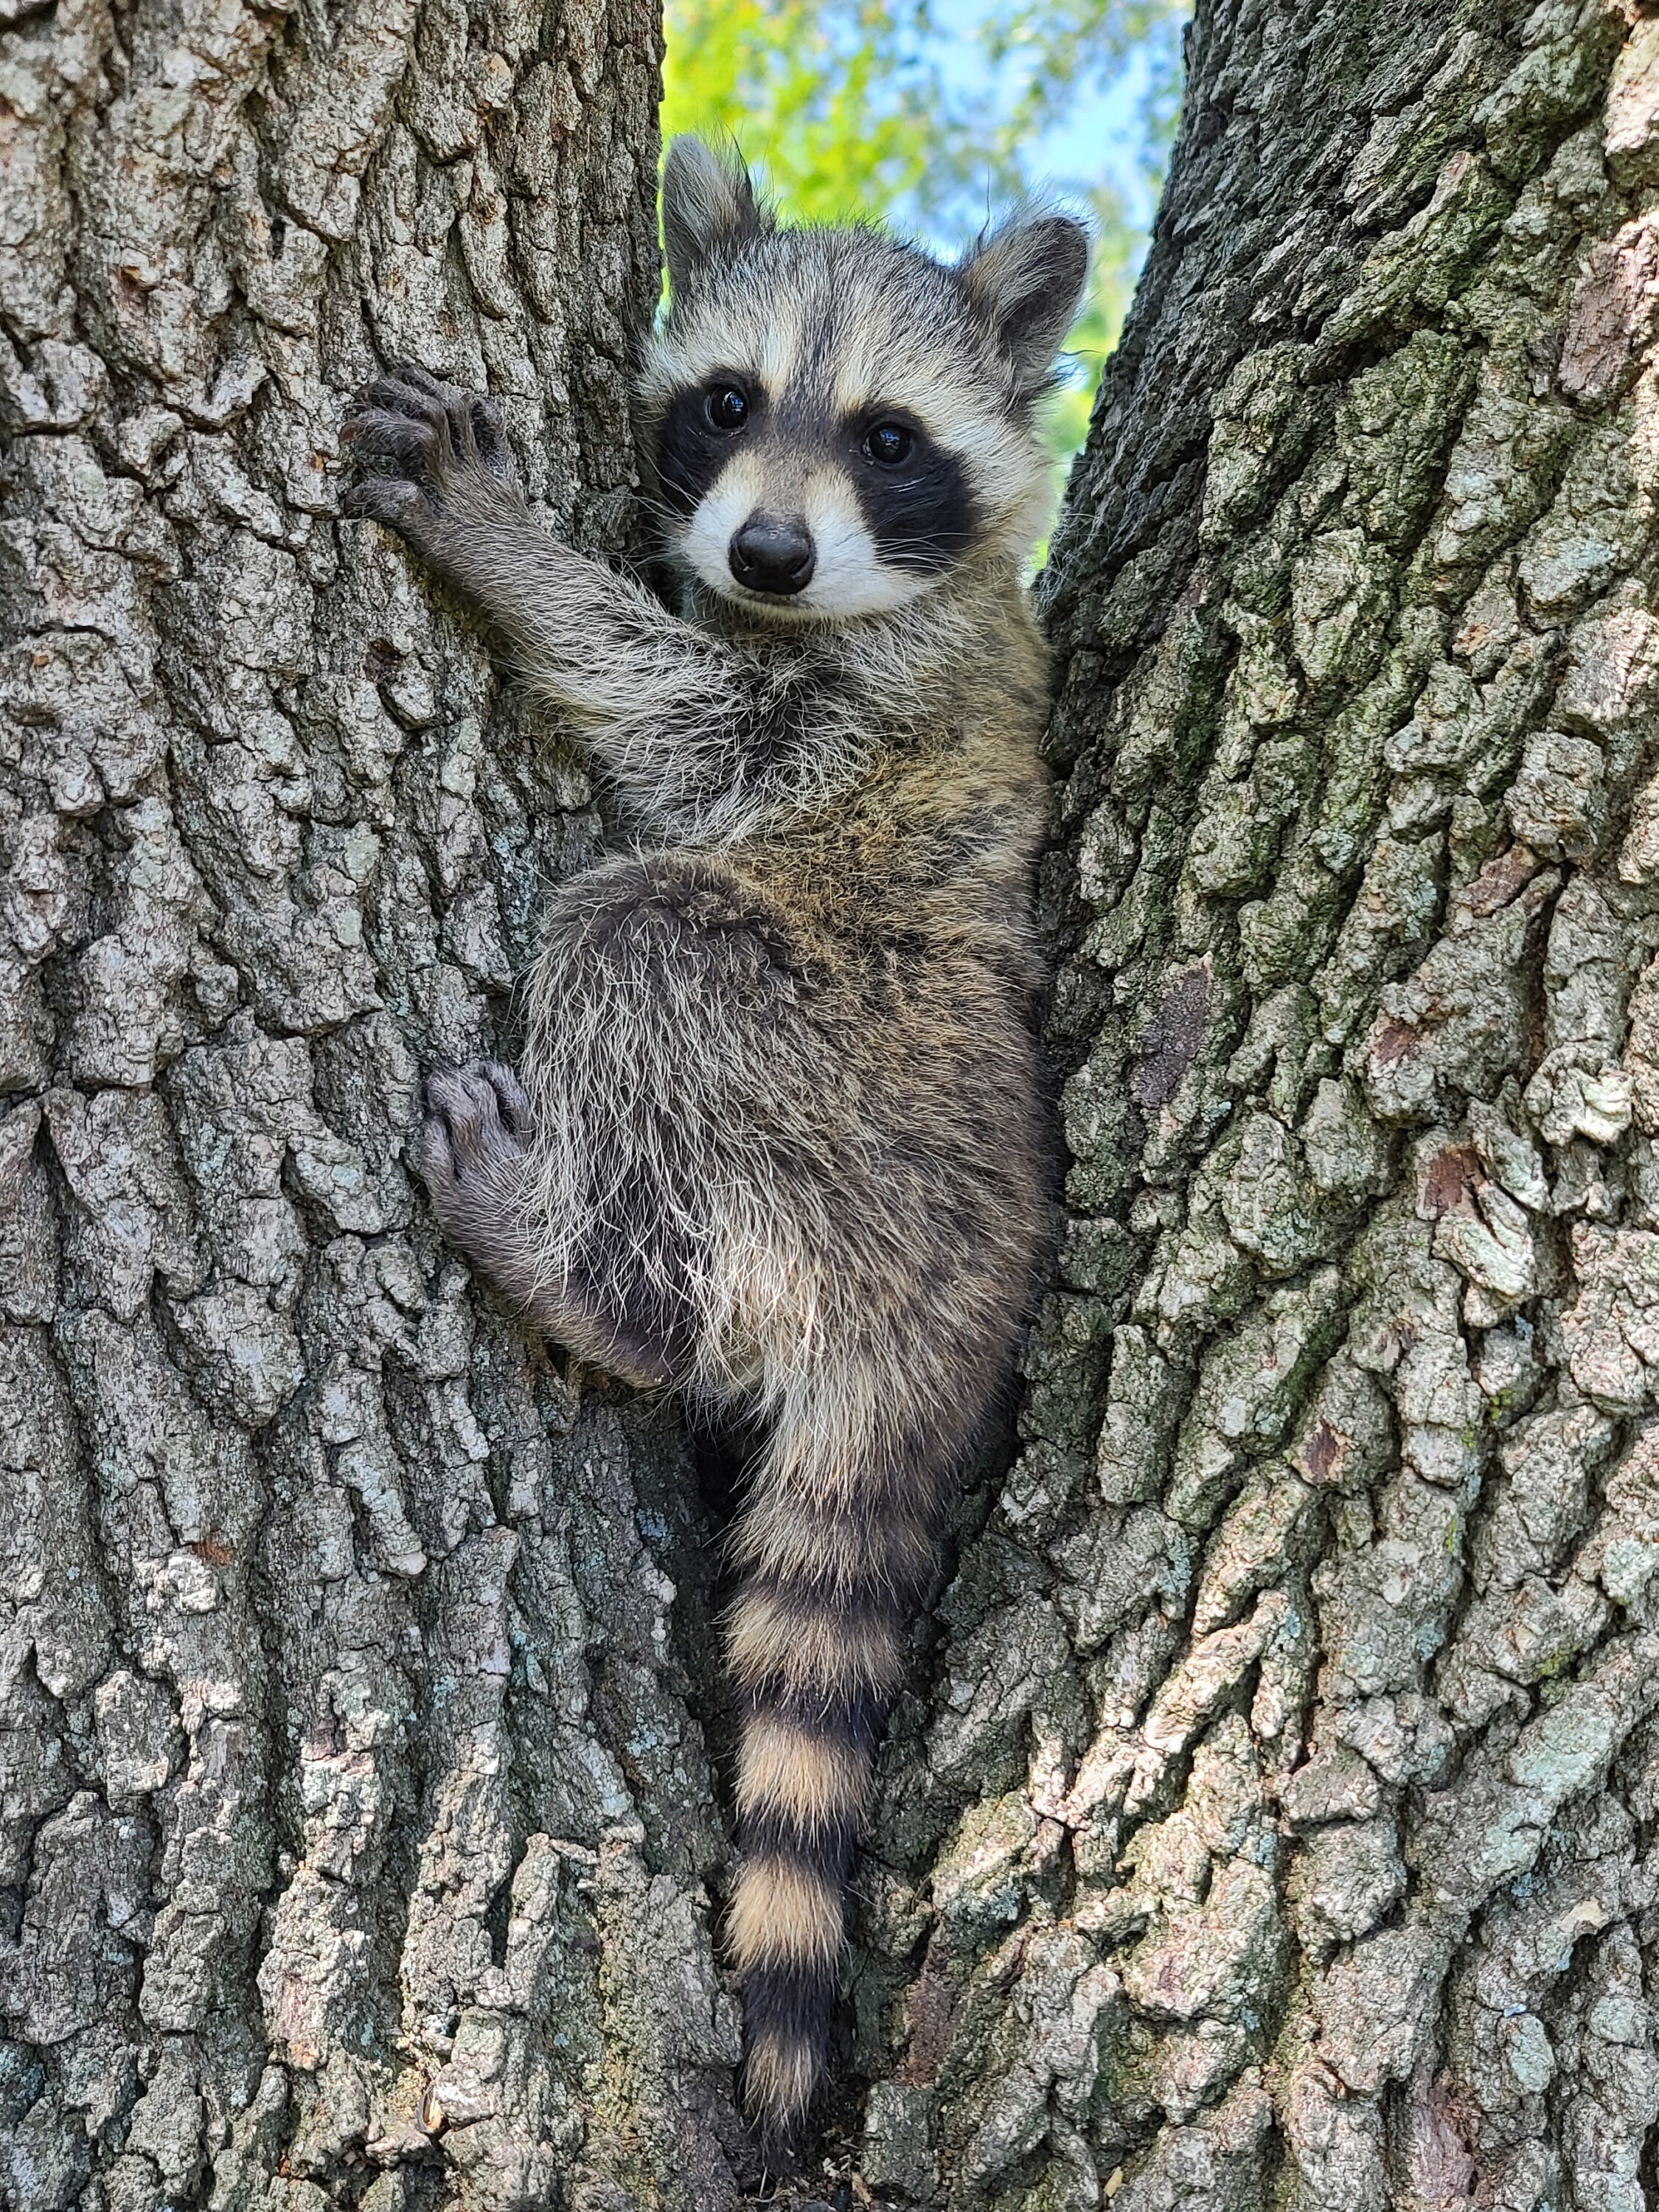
[{"x": 835, "y": 1550}]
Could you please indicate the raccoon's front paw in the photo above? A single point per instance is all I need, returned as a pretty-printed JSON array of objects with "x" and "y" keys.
[
  {"x": 471, "y": 1155},
  {"x": 429, "y": 453}
]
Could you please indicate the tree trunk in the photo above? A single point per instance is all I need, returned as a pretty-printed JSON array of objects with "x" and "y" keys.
[
  {"x": 1272, "y": 1818},
  {"x": 1278, "y": 1824},
  {"x": 358, "y": 1832}
]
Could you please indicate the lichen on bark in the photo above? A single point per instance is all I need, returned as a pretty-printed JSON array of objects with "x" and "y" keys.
[{"x": 1275, "y": 1826}]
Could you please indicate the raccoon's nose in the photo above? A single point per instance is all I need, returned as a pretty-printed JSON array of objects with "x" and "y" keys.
[{"x": 769, "y": 555}]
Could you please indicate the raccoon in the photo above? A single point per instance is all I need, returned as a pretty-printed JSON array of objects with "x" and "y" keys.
[{"x": 777, "y": 1140}]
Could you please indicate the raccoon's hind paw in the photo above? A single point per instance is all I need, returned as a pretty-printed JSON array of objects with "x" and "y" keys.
[
  {"x": 425, "y": 450},
  {"x": 472, "y": 1147}
]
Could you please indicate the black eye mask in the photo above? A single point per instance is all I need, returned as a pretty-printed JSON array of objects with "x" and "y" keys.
[
  {"x": 919, "y": 509},
  {"x": 692, "y": 444}
]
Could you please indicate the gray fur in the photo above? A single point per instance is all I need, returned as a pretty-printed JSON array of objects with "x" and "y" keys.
[
  {"x": 778, "y": 1141},
  {"x": 709, "y": 207},
  {"x": 1025, "y": 278}
]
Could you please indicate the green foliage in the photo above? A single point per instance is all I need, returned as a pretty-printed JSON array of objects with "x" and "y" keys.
[
  {"x": 842, "y": 102},
  {"x": 851, "y": 107}
]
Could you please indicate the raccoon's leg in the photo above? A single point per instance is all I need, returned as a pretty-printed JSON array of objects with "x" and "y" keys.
[
  {"x": 434, "y": 467},
  {"x": 690, "y": 725},
  {"x": 473, "y": 1160}
]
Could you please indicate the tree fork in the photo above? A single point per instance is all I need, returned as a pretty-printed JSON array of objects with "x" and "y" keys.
[{"x": 1272, "y": 1819}]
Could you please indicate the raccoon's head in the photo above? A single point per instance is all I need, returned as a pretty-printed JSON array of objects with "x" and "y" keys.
[{"x": 834, "y": 421}]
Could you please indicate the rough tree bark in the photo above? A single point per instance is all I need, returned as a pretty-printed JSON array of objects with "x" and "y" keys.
[
  {"x": 356, "y": 1831},
  {"x": 1272, "y": 1820},
  {"x": 1278, "y": 1826}
]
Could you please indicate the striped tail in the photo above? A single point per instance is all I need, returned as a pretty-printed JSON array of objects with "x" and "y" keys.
[{"x": 834, "y": 1554}]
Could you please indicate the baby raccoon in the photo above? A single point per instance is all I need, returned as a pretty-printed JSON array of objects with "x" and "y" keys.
[{"x": 777, "y": 1139}]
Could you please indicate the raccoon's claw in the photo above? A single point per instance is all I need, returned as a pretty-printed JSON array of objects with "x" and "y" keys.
[
  {"x": 479, "y": 1120},
  {"x": 401, "y": 505},
  {"x": 425, "y": 443},
  {"x": 379, "y": 433},
  {"x": 470, "y": 1155}
]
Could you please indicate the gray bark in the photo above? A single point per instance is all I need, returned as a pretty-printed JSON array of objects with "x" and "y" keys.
[
  {"x": 358, "y": 1832},
  {"x": 1278, "y": 1824}
]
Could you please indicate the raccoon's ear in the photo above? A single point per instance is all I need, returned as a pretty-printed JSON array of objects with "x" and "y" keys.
[
  {"x": 1025, "y": 281},
  {"x": 709, "y": 205}
]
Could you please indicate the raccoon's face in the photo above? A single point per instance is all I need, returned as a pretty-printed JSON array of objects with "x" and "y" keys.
[{"x": 835, "y": 421}]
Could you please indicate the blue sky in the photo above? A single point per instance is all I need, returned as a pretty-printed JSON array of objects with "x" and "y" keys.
[
  {"x": 1102, "y": 131},
  {"x": 1097, "y": 134}
]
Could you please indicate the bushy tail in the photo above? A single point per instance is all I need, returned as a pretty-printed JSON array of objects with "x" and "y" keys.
[{"x": 836, "y": 1548}]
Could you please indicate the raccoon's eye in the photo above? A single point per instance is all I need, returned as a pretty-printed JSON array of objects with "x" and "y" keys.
[
  {"x": 888, "y": 443},
  {"x": 728, "y": 409}
]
